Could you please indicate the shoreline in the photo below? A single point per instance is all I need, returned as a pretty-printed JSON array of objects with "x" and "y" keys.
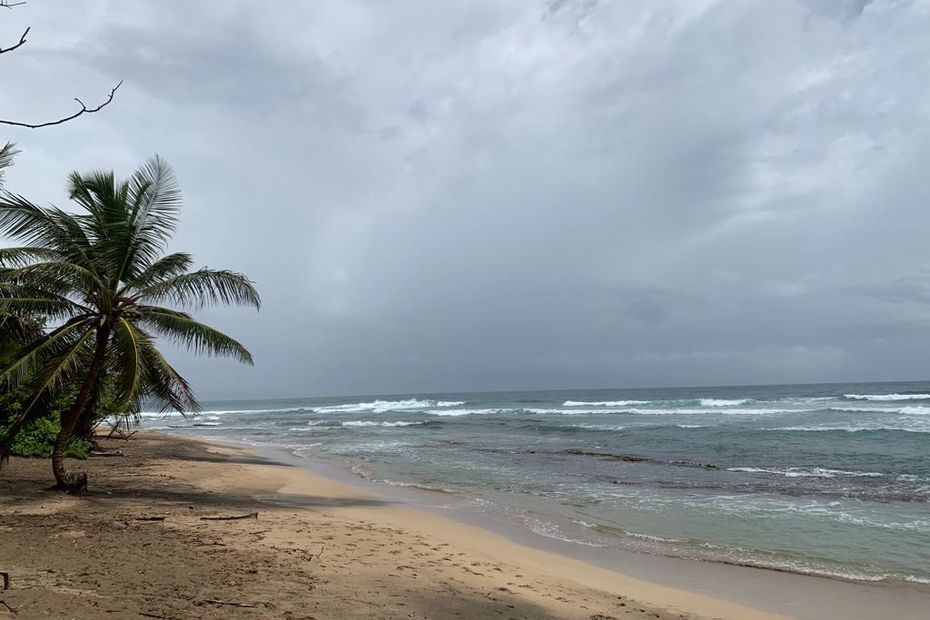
[
  {"x": 307, "y": 476},
  {"x": 145, "y": 542},
  {"x": 511, "y": 528},
  {"x": 155, "y": 537},
  {"x": 758, "y": 590}
]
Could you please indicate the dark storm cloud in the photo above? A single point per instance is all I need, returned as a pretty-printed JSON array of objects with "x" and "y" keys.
[{"x": 480, "y": 195}]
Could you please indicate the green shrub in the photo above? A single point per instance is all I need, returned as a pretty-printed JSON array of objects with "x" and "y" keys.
[{"x": 37, "y": 439}]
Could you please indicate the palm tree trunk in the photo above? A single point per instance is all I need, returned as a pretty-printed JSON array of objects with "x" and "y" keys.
[{"x": 68, "y": 481}]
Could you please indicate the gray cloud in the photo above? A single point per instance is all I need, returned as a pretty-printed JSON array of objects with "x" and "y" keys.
[{"x": 520, "y": 194}]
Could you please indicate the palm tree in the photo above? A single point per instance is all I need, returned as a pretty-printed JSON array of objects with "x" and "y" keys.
[{"x": 99, "y": 278}]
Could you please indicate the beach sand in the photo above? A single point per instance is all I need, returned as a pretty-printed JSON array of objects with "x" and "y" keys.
[{"x": 317, "y": 549}]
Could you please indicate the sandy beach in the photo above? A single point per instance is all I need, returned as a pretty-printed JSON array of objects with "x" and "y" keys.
[{"x": 137, "y": 545}]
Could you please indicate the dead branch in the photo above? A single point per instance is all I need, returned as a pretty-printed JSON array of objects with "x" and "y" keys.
[
  {"x": 147, "y": 518},
  {"x": 251, "y": 515},
  {"x": 84, "y": 110},
  {"x": 22, "y": 39},
  {"x": 6, "y": 4},
  {"x": 12, "y": 611}
]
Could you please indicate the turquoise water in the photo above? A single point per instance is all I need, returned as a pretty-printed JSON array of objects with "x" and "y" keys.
[{"x": 826, "y": 479}]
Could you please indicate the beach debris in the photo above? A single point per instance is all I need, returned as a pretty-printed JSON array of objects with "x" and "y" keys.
[
  {"x": 12, "y": 611},
  {"x": 106, "y": 453},
  {"x": 212, "y": 601},
  {"x": 149, "y": 518},
  {"x": 251, "y": 515}
]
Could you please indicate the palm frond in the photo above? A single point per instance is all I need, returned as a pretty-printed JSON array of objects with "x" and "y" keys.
[
  {"x": 25, "y": 255},
  {"x": 126, "y": 360},
  {"x": 163, "y": 384},
  {"x": 7, "y": 153},
  {"x": 162, "y": 269},
  {"x": 59, "y": 276},
  {"x": 26, "y": 301},
  {"x": 154, "y": 201},
  {"x": 48, "y": 229},
  {"x": 198, "y": 338},
  {"x": 62, "y": 340},
  {"x": 200, "y": 288}
]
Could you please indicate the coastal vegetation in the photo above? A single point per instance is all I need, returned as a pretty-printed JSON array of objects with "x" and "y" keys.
[{"x": 84, "y": 300}]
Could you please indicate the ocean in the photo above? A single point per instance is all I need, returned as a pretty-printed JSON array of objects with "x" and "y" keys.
[{"x": 830, "y": 479}]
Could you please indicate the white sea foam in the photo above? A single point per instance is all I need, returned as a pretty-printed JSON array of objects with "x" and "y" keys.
[
  {"x": 358, "y": 423},
  {"x": 381, "y": 406},
  {"x": 598, "y": 427},
  {"x": 904, "y": 410},
  {"x": 815, "y": 472},
  {"x": 849, "y": 429},
  {"x": 551, "y": 530},
  {"x": 744, "y": 411},
  {"x": 569, "y": 411},
  {"x": 887, "y": 397},
  {"x": 604, "y": 403},
  {"x": 212, "y": 413},
  {"x": 461, "y": 412},
  {"x": 721, "y": 402},
  {"x": 669, "y": 411}
]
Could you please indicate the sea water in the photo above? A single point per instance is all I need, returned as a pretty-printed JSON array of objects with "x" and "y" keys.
[{"x": 830, "y": 479}]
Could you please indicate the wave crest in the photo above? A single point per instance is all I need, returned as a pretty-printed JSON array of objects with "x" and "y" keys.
[
  {"x": 887, "y": 397},
  {"x": 382, "y": 406},
  {"x": 604, "y": 403}
]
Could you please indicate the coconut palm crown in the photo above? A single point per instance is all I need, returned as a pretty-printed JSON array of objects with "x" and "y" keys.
[{"x": 100, "y": 279}]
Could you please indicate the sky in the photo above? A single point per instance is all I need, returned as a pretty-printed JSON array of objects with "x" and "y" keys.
[{"x": 516, "y": 194}]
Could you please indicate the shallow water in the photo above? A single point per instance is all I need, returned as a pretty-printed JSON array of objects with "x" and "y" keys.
[{"x": 826, "y": 479}]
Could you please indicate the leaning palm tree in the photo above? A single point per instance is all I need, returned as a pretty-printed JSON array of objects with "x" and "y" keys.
[{"x": 100, "y": 280}]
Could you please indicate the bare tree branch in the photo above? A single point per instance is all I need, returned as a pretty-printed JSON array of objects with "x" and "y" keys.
[
  {"x": 84, "y": 110},
  {"x": 22, "y": 39},
  {"x": 9, "y": 4}
]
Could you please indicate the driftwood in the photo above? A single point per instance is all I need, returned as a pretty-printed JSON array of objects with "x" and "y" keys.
[
  {"x": 148, "y": 518},
  {"x": 229, "y": 603},
  {"x": 251, "y": 515},
  {"x": 12, "y": 611},
  {"x": 105, "y": 453}
]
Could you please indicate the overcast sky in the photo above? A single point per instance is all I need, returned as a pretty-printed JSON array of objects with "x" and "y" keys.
[{"x": 494, "y": 194}]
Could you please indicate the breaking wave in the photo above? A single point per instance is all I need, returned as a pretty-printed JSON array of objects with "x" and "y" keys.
[
  {"x": 887, "y": 397},
  {"x": 722, "y": 402},
  {"x": 604, "y": 403},
  {"x": 814, "y": 472},
  {"x": 906, "y": 410},
  {"x": 382, "y": 406}
]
